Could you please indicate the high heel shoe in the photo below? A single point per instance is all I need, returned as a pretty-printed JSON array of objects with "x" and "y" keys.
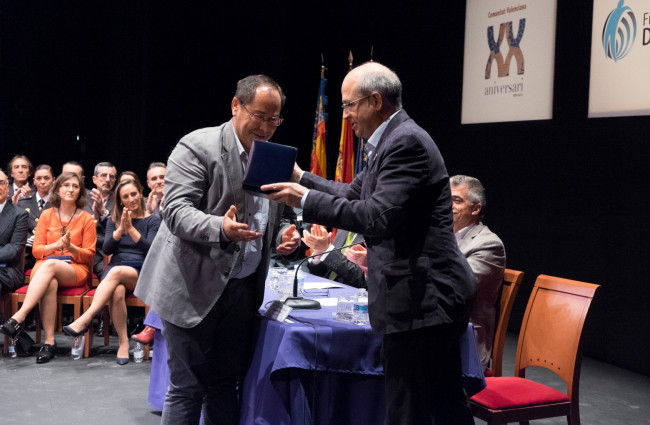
[
  {"x": 11, "y": 328},
  {"x": 71, "y": 332},
  {"x": 122, "y": 361},
  {"x": 46, "y": 353}
]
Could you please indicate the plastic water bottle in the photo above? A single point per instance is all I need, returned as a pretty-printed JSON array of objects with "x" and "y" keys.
[
  {"x": 138, "y": 353},
  {"x": 77, "y": 347},
  {"x": 360, "y": 314},
  {"x": 12, "y": 348},
  {"x": 301, "y": 282}
]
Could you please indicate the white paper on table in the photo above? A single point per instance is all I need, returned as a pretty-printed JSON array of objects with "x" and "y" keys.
[
  {"x": 321, "y": 285},
  {"x": 328, "y": 302}
]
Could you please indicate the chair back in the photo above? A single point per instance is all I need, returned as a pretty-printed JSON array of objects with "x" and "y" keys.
[
  {"x": 511, "y": 282},
  {"x": 551, "y": 330}
]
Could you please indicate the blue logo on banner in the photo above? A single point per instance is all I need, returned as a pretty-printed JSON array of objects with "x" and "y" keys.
[{"x": 619, "y": 32}]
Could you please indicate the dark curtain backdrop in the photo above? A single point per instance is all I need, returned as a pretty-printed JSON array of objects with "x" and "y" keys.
[{"x": 566, "y": 195}]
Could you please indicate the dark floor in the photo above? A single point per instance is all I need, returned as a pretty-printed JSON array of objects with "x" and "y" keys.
[{"x": 98, "y": 391}]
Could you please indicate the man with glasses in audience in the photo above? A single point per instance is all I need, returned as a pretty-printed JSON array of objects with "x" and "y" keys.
[
  {"x": 206, "y": 269},
  {"x": 13, "y": 235}
]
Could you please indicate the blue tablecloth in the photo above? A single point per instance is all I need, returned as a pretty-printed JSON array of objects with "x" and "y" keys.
[{"x": 315, "y": 370}]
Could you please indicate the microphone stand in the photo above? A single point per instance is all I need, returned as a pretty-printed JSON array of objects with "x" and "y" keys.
[{"x": 297, "y": 302}]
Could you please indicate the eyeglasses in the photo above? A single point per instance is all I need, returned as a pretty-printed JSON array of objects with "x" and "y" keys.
[
  {"x": 348, "y": 105},
  {"x": 274, "y": 121},
  {"x": 4, "y": 183}
]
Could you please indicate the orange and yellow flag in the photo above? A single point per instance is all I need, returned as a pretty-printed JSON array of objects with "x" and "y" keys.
[{"x": 318, "y": 164}]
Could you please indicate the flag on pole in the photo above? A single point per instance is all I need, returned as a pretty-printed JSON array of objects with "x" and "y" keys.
[
  {"x": 361, "y": 157},
  {"x": 318, "y": 164},
  {"x": 345, "y": 160}
]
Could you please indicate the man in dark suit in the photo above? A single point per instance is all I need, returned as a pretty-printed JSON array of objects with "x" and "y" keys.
[
  {"x": 420, "y": 285},
  {"x": 35, "y": 204},
  {"x": 13, "y": 235},
  {"x": 206, "y": 269},
  {"x": 20, "y": 169},
  {"x": 485, "y": 254},
  {"x": 333, "y": 265}
]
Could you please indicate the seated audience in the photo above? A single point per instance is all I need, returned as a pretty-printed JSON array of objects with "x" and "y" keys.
[
  {"x": 35, "y": 204},
  {"x": 63, "y": 230},
  {"x": 20, "y": 170},
  {"x": 129, "y": 234},
  {"x": 13, "y": 235},
  {"x": 333, "y": 265},
  {"x": 485, "y": 254}
]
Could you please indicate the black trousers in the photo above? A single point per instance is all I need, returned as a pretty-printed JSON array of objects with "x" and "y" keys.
[
  {"x": 208, "y": 362},
  {"x": 422, "y": 369}
]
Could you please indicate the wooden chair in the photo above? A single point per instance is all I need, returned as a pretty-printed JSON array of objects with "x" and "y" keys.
[
  {"x": 5, "y": 305},
  {"x": 65, "y": 296},
  {"x": 550, "y": 337},
  {"x": 511, "y": 281},
  {"x": 130, "y": 300}
]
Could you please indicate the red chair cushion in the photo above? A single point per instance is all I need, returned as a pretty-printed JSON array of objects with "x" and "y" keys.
[
  {"x": 21, "y": 290},
  {"x": 28, "y": 272},
  {"x": 91, "y": 293},
  {"x": 77, "y": 290},
  {"x": 505, "y": 392}
]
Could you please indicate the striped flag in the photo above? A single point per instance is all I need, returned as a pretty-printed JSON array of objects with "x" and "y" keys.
[
  {"x": 318, "y": 164},
  {"x": 345, "y": 160}
]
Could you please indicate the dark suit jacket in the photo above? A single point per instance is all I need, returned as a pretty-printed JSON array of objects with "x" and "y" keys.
[
  {"x": 31, "y": 206},
  {"x": 401, "y": 203},
  {"x": 346, "y": 271},
  {"x": 13, "y": 235}
]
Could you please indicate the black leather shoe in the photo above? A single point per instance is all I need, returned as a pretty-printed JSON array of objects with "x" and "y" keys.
[
  {"x": 11, "y": 328},
  {"x": 46, "y": 353},
  {"x": 69, "y": 331}
]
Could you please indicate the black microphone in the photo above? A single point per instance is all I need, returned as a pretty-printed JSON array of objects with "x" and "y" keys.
[{"x": 300, "y": 302}]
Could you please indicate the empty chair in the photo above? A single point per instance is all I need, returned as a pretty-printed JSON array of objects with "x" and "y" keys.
[
  {"x": 550, "y": 337},
  {"x": 511, "y": 281}
]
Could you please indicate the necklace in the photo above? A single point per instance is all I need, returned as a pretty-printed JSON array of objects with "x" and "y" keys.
[{"x": 63, "y": 228}]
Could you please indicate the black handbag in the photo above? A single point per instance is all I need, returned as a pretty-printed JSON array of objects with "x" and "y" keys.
[{"x": 24, "y": 344}]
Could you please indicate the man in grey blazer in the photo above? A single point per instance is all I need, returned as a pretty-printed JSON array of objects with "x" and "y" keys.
[
  {"x": 205, "y": 272},
  {"x": 485, "y": 254},
  {"x": 13, "y": 235},
  {"x": 420, "y": 286}
]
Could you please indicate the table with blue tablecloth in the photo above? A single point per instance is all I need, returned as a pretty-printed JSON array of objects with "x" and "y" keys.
[{"x": 313, "y": 369}]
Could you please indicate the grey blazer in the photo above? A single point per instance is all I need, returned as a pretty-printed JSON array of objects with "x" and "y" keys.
[
  {"x": 13, "y": 235},
  {"x": 189, "y": 265},
  {"x": 486, "y": 256}
]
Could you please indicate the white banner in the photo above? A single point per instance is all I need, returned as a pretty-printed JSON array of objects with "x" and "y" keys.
[
  {"x": 620, "y": 59},
  {"x": 509, "y": 60}
]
